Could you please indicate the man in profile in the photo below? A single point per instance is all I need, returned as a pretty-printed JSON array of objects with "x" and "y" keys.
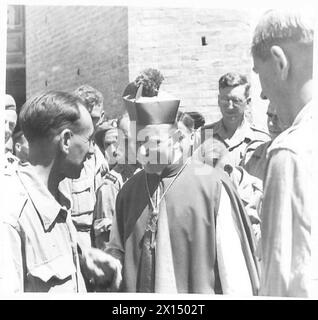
[
  {"x": 82, "y": 191},
  {"x": 282, "y": 50},
  {"x": 39, "y": 247}
]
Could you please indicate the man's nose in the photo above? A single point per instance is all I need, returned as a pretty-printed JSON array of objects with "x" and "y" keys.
[
  {"x": 230, "y": 105},
  {"x": 91, "y": 149}
]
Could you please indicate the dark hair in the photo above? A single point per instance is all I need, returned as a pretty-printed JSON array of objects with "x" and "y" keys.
[
  {"x": 90, "y": 96},
  {"x": 49, "y": 113},
  {"x": 232, "y": 80},
  {"x": 17, "y": 137},
  {"x": 198, "y": 118}
]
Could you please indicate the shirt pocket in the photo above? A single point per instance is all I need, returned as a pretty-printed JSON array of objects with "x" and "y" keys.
[
  {"x": 61, "y": 268},
  {"x": 83, "y": 197}
]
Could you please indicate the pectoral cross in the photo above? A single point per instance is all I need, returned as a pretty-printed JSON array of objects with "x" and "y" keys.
[{"x": 152, "y": 226}]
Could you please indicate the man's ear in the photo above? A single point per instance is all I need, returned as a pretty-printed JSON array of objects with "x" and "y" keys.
[
  {"x": 65, "y": 140},
  {"x": 192, "y": 138},
  {"x": 17, "y": 146},
  {"x": 281, "y": 61}
]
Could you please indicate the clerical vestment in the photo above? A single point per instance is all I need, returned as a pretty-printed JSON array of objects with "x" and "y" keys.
[{"x": 204, "y": 242}]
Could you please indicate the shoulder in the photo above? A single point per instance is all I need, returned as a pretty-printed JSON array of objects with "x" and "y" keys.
[
  {"x": 295, "y": 139},
  {"x": 215, "y": 126},
  {"x": 256, "y": 149},
  {"x": 259, "y": 134},
  {"x": 133, "y": 184},
  {"x": 283, "y": 162},
  {"x": 202, "y": 173},
  {"x": 15, "y": 199},
  {"x": 114, "y": 178}
]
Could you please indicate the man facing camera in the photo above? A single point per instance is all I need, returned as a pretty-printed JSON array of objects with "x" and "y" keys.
[
  {"x": 233, "y": 129},
  {"x": 179, "y": 224}
]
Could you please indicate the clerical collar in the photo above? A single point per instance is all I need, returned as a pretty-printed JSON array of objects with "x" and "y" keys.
[{"x": 169, "y": 170}]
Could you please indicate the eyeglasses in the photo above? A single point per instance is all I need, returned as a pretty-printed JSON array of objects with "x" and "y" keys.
[{"x": 235, "y": 101}]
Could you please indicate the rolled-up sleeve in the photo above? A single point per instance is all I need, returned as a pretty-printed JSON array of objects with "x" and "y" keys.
[
  {"x": 115, "y": 247},
  {"x": 103, "y": 213},
  {"x": 286, "y": 226}
]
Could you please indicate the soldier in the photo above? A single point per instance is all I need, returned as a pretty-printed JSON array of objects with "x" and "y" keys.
[
  {"x": 82, "y": 191},
  {"x": 40, "y": 251},
  {"x": 234, "y": 129},
  {"x": 282, "y": 50},
  {"x": 106, "y": 138},
  {"x": 254, "y": 161}
]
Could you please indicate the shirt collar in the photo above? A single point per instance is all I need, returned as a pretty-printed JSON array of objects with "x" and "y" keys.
[
  {"x": 44, "y": 202},
  {"x": 305, "y": 114},
  {"x": 242, "y": 132}
]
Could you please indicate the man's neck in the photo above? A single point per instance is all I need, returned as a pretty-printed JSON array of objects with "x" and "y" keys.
[
  {"x": 298, "y": 100},
  {"x": 231, "y": 126},
  {"x": 46, "y": 172}
]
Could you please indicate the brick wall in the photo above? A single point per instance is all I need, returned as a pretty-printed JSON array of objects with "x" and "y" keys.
[
  {"x": 170, "y": 40},
  {"x": 108, "y": 46},
  {"x": 70, "y": 46}
]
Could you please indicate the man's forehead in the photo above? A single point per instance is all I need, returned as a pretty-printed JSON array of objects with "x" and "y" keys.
[
  {"x": 10, "y": 115},
  {"x": 232, "y": 91}
]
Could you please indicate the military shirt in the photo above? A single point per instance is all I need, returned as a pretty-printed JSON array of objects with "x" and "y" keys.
[
  {"x": 254, "y": 161},
  {"x": 105, "y": 202},
  {"x": 104, "y": 210},
  {"x": 289, "y": 213},
  {"x": 38, "y": 238},
  {"x": 237, "y": 144}
]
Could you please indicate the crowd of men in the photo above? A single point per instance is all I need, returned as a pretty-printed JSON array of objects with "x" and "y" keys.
[{"x": 160, "y": 201}]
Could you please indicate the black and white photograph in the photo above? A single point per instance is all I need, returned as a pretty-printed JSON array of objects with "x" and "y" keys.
[{"x": 159, "y": 148}]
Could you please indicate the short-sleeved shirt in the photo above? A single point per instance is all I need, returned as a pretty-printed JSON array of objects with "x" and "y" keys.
[
  {"x": 105, "y": 202},
  {"x": 38, "y": 237},
  {"x": 237, "y": 144}
]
